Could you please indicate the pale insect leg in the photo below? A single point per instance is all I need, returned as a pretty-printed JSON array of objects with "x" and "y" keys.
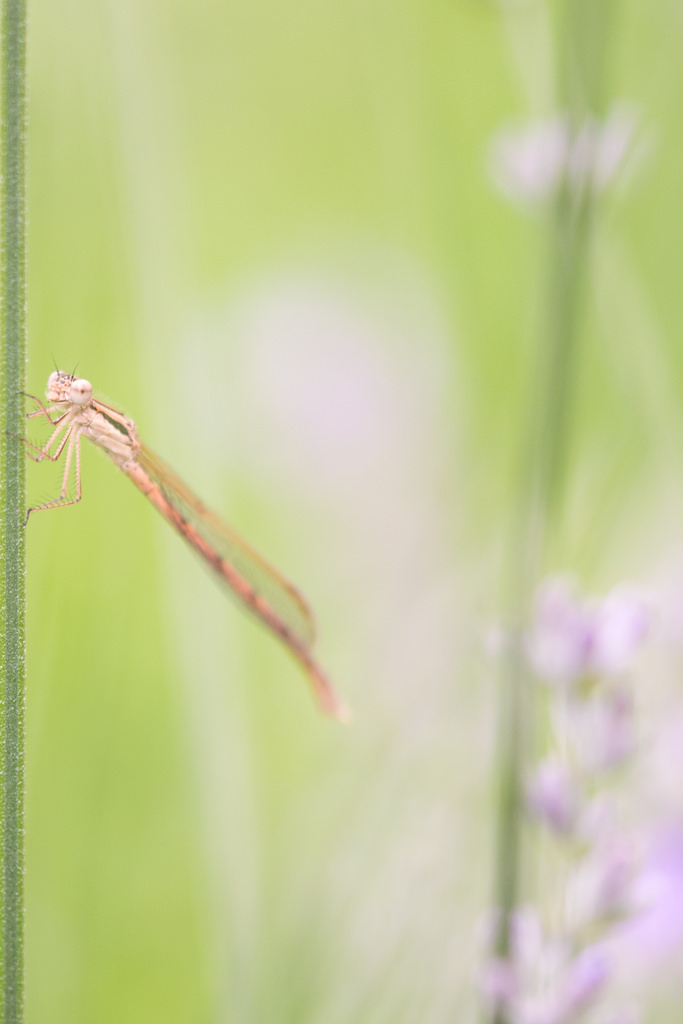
[
  {"x": 46, "y": 413},
  {"x": 67, "y": 466},
  {"x": 61, "y": 501},
  {"x": 44, "y": 452},
  {"x": 41, "y": 410}
]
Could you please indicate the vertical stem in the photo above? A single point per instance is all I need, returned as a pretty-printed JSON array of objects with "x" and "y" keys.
[
  {"x": 583, "y": 43},
  {"x": 12, "y": 503},
  {"x": 543, "y": 476}
]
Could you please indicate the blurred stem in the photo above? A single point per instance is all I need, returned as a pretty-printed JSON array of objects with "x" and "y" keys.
[
  {"x": 586, "y": 28},
  {"x": 12, "y": 503},
  {"x": 583, "y": 38}
]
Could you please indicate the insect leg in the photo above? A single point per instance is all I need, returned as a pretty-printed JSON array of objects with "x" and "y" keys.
[
  {"x": 44, "y": 452},
  {"x": 74, "y": 445}
]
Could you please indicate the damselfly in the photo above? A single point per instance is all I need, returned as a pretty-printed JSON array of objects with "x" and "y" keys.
[{"x": 261, "y": 589}]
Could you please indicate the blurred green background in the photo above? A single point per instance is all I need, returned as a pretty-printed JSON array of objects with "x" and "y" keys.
[{"x": 266, "y": 231}]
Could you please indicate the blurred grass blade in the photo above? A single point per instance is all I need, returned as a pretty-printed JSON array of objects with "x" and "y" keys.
[{"x": 12, "y": 502}]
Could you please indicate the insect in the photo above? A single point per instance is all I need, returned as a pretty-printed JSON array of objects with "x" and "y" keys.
[{"x": 75, "y": 413}]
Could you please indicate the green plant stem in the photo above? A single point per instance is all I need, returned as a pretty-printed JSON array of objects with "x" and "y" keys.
[
  {"x": 543, "y": 476},
  {"x": 584, "y": 37},
  {"x": 12, "y": 502}
]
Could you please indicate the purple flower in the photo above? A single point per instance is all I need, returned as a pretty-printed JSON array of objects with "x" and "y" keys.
[
  {"x": 527, "y": 936},
  {"x": 544, "y": 982},
  {"x": 584, "y": 981},
  {"x": 559, "y": 641},
  {"x": 552, "y": 795},
  {"x": 620, "y": 625},
  {"x": 498, "y": 982},
  {"x": 570, "y": 638},
  {"x": 529, "y": 162},
  {"x": 603, "y": 729},
  {"x": 657, "y": 931},
  {"x": 526, "y": 162},
  {"x": 604, "y": 886},
  {"x": 617, "y": 873}
]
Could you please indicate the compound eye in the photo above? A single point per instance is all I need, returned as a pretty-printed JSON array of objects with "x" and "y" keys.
[
  {"x": 80, "y": 391},
  {"x": 52, "y": 379}
]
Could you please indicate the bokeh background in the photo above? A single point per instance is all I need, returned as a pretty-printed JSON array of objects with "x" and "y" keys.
[{"x": 270, "y": 233}]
